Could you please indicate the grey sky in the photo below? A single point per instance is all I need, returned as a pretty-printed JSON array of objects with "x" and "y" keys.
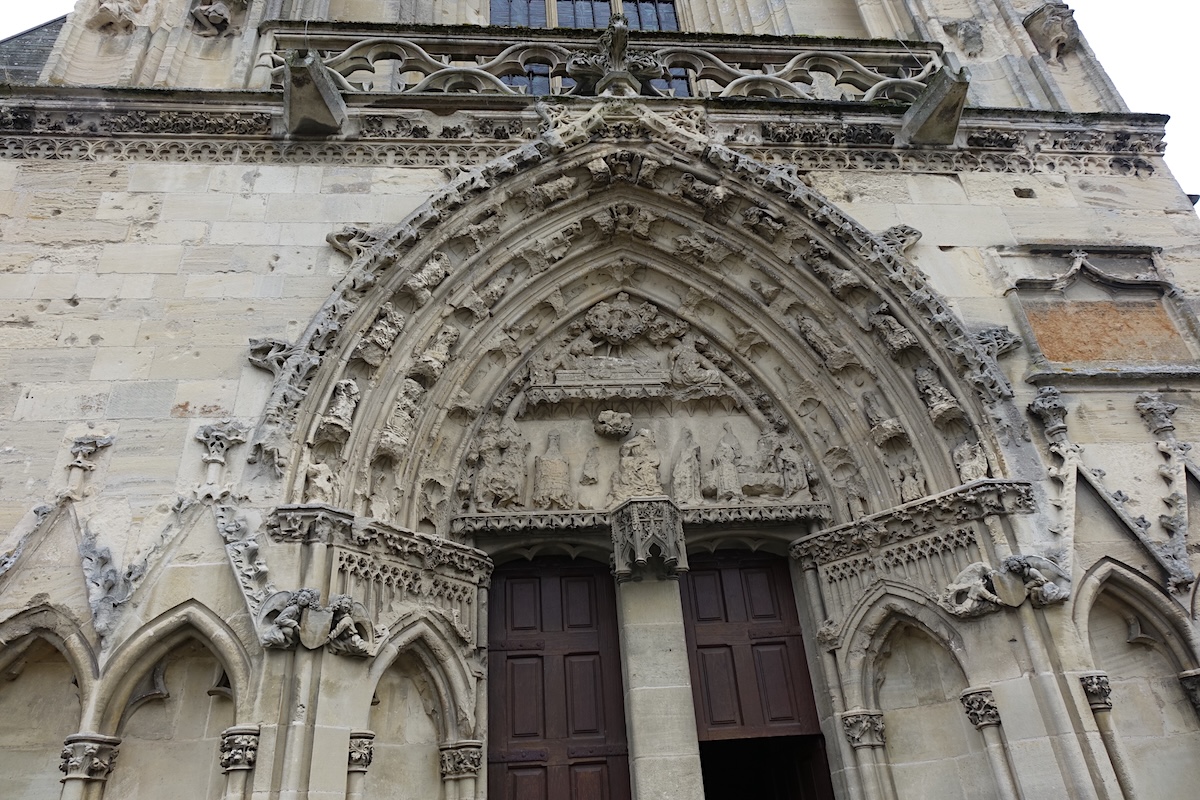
[{"x": 1145, "y": 48}]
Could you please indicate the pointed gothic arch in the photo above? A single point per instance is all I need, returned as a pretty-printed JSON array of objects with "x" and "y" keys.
[
  {"x": 834, "y": 337},
  {"x": 52, "y": 625},
  {"x": 139, "y": 653}
]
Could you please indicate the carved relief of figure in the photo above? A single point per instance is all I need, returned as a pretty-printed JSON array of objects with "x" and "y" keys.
[
  {"x": 379, "y": 339},
  {"x": 685, "y": 478},
  {"x": 724, "y": 480},
  {"x": 422, "y": 283},
  {"x": 590, "y": 474},
  {"x": 971, "y": 462},
  {"x": 912, "y": 483},
  {"x": 690, "y": 370},
  {"x": 320, "y": 484},
  {"x": 637, "y": 468},
  {"x": 552, "y": 477},
  {"x": 432, "y": 362},
  {"x": 395, "y": 440},
  {"x": 501, "y": 472},
  {"x": 790, "y": 466}
]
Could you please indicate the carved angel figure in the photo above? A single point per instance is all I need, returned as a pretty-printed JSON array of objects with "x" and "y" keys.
[
  {"x": 971, "y": 593},
  {"x": 1045, "y": 581},
  {"x": 284, "y": 630},
  {"x": 344, "y": 636}
]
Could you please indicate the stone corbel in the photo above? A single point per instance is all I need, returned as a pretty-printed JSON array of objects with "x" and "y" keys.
[
  {"x": 312, "y": 101},
  {"x": 461, "y": 763},
  {"x": 646, "y": 528},
  {"x": 358, "y": 761},
  {"x": 83, "y": 448},
  {"x": 217, "y": 440},
  {"x": 934, "y": 116},
  {"x": 87, "y": 759},
  {"x": 239, "y": 750}
]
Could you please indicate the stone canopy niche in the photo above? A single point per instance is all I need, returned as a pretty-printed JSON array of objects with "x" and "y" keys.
[{"x": 629, "y": 401}]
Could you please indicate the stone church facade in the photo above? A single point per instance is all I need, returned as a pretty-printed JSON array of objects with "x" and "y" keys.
[{"x": 575, "y": 400}]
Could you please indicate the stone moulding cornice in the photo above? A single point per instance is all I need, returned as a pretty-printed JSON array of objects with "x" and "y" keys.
[
  {"x": 693, "y": 517},
  {"x": 234, "y": 127},
  {"x": 319, "y": 523},
  {"x": 967, "y": 503}
]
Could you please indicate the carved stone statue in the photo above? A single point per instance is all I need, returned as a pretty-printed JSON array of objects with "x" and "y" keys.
[
  {"x": 590, "y": 474},
  {"x": 379, "y": 338},
  {"x": 500, "y": 480},
  {"x": 395, "y": 440},
  {"x": 724, "y": 480},
  {"x": 912, "y": 483},
  {"x": 320, "y": 484},
  {"x": 690, "y": 371},
  {"x": 422, "y": 283},
  {"x": 685, "y": 478},
  {"x": 339, "y": 416},
  {"x": 941, "y": 404},
  {"x": 833, "y": 355},
  {"x": 1053, "y": 30},
  {"x": 970, "y": 461},
  {"x": 432, "y": 362},
  {"x": 552, "y": 477},
  {"x": 637, "y": 469}
]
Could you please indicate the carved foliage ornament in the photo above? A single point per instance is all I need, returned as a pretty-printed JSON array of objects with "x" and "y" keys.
[
  {"x": 88, "y": 757},
  {"x": 464, "y": 759},
  {"x": 239, "y": 748},
  {"x": 362, "y": 751},
  {"x": 864, "y": 728},
  {"x": 1098, "y": 691},
  {"x": 980, "y": 706}
]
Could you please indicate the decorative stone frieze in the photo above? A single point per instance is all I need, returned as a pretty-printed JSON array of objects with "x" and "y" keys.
[
  {"x": 980, "y": 706},
  {"x": 1098, "y": 690},
  {"x": 863, "y": 728},
  {"x": 646, "y": 528},
  {"x": 239, "y": 747},
  {"x": 88, "y": 756}
]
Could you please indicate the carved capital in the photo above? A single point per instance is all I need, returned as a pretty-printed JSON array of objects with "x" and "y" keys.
[
  {"x": 462, "y": 759},
  {"x": 362, "y": 751},
  {"x": 643, "y": 528},
  {"x": 88, "y": 756},
  {"x": 1049, "y": 406},
  {"x": 218, "y": 438},
  {"x": 864, "y": 728},
  {"x": 239, "y": 747},
  {"x": 309, "y": 524},
  {"x": 84, "y": 447},
  {"x": 980, "y": 705},
  {"x": 1157, "y": 412},
  {"x": 1098, "y": 691}
]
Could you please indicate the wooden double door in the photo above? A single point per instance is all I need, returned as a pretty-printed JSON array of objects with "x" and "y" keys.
[{"x": 557, "y": 716}]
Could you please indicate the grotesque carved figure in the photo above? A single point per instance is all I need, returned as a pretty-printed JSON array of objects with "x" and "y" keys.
[
  {"x": 1053, "y": 30},
  {"x": 637, "y": 468},
  {"x": 213, "y": 18},
  {"x": 119, "y": 15},
  {"x": 552, "y": 477}
]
